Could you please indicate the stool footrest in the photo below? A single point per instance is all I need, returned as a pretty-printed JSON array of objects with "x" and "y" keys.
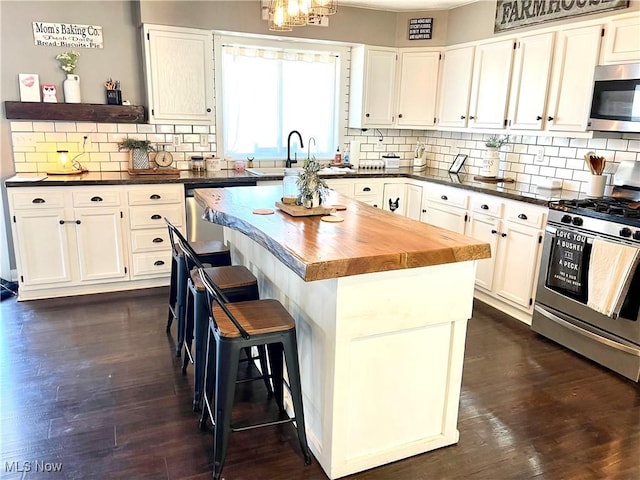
[{"x": 260, "y": 425}]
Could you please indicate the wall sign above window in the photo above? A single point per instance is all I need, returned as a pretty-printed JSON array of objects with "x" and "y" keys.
[
  {"x": 522, "y": 13},
  {"x": 420, "y": 28},
  {"x": 67, "y": 35}
]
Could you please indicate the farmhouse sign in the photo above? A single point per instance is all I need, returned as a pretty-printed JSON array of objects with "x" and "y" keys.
[
  {"x": 67, "y": 35},
  {"x": 420, "y": 28},
  {"x": 522, "y": 13}
]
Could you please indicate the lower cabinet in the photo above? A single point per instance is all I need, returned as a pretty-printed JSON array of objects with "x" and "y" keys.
[
  {"x": 79, "y": 240},
  {"x": 444, "y": 207},
  {"x": 394, "y": 198}
]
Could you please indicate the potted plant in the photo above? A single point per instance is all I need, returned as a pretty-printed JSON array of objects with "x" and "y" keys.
[
  {"x": 138, "y": 152},
  {"x": 313, "y": 189},
  {"x": 491, "y": 162},
  {"x": 71, "y": 86}
]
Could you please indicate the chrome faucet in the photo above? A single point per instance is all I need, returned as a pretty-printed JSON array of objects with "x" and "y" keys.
[
  {"x": 309, "y": 147},
  {"x": 289, "y": 161}
]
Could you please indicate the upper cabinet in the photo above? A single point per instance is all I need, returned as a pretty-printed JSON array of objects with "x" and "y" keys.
[
  {"x": 417, "y": 87},
  {"x": 179, "y": 74},
  {"x": 621, "y": 42},
  {"x": 574, "y": 60},
  {"x": 456, "y": 86},
  {"x": 490, "y": 84},
  {"x": 393, "y": 88},
  {"x": 372, "y": 87}
]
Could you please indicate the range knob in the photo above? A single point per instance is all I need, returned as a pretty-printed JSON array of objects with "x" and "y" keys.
[
  {"x": 636, "y": 235},
  {"x": 625, "y": 232},
  {"x": 577, "y": 221},
  {"x": 566, "y": 219}
]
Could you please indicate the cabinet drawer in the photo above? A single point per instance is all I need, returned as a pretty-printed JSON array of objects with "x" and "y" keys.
[
  {"x": 154, "y": 196},
  {"x": 152, "y": 216},
  {"x": 154, "y": 263},
  {"x": 525, "y": 214},
  {"x": 372, "y": 200},
  {"x": 367, "y": 188},
  {"x": 487, "y": 206},
  {"x": 152, "y": 240},
  {"x": 40, "y": 199},
  {"x": 448, "y": 196},
  {"x": 96, "y": 198}
]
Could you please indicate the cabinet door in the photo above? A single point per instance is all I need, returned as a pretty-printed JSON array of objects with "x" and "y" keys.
[
  {"x": 99, "y": 236},
  {"x": 485, "y": 229},
  {"x": 574, "y": 59},
  {"x": 394, "y": 198},
  {"x": 42, "y": 246},
  {"x": 621, "y": 41},
  {"x": 443, "y": 216},
  {"x": 417, "y": 89},
  {"x": 379, "y": 87},
  {"x": 490, "y": 84},
  {"x": 517, "y": 263},
  {"x": 530, "y": 81},
  {"x": 456, "y": 81},
  {"x": 179, "y": 72},
  {"x": 414, "y": 202}
]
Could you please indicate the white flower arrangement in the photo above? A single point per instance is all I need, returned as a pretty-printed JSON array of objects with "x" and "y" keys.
[{"x": 68, "y": 61}]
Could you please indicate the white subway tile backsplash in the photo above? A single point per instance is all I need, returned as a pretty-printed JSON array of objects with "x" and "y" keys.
[
  {"x": 617, "y": 144},
  {"x": 127, "y": 128},
  {"x": 107, "y": 127},
  {"x": 65, "y": 126}
]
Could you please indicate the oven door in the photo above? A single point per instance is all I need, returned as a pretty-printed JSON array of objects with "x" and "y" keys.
[{"x": 626, "y": 326}]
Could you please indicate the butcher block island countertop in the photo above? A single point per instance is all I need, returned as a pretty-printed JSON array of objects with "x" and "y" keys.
[
  {"x": 381, "y": 305},
  {"x": 368, "y": 240}
]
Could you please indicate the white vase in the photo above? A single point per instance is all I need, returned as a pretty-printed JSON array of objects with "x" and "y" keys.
[
  {"x": 491, "y": 162},
  {"x": 71, "y": 88}
]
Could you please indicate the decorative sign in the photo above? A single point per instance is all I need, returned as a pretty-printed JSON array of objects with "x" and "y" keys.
[
  {"x": 420, "y": 28},
  {"x": 522, "y": 13},
  {"x": 67, "y": 35},
  {"x": 566, "y": 267}
]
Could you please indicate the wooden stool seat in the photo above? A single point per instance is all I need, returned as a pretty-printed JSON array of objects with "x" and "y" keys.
[
  {"x": 233, "y": 276},
  {"x": 213, "y": 252},
  {"x": 257, "y": 317}
]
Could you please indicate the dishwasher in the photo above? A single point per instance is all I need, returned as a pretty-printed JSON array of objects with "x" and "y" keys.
[{"x": 199, "y": 229}]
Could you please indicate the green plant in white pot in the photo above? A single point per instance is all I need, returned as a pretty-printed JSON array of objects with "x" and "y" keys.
[
  {"x": 491, "y": 162},
  {"x": 138, "y": 152}
]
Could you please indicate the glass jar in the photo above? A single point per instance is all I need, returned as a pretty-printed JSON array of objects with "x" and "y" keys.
[
  {"x": 197, "y": 164},
  {"x": 290, "y": 192}
]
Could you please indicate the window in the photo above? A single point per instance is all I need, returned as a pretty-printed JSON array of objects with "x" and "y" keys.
[{"x": 267, "y": 91}]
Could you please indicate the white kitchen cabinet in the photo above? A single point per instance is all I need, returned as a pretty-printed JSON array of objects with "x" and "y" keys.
[
  {"x": 179, "y": 74},
  {"x": 530, "y": 81},
  {"x": 483, "y": 224},
  {"x": 621, "y": 41},
  {"x": 574, "y": 59},
  {"x": 372, "y": 87},
  {"x": 369, "y": 191},
  {"x": 418, "y": 72},
  {"x": 456, "y": 78},
  {"x": 444, "y": 207},
  {"x": 490, "y": 84},
  {"x": 342, "y": 186},
  {"x": 148, "y": 207},
  {"x": 394, "y": 198},
  {"x": 414, "y": 202},
  {"x": 67, "y": 237}
]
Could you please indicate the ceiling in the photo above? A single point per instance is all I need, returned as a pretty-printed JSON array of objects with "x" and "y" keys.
[{"x": 406, "y": 5}]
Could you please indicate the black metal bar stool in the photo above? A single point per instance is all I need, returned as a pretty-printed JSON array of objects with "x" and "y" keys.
[
  {"x": 213, "y": 253},
  {"x": 238, "y": 284},
  {"x": 232, "y": 328}
]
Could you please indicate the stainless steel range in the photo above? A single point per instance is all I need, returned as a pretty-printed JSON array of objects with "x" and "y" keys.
[{"x": 588, "y": 293}]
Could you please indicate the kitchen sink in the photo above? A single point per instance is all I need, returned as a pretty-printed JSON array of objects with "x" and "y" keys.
[{"x": 262, "y": 171}]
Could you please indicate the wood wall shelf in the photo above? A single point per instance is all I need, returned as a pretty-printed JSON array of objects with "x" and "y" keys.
[{"x": 75, "y": 112}]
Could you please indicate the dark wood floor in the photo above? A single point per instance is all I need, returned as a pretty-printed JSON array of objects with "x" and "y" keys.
[{"x": 92, "y": 383}]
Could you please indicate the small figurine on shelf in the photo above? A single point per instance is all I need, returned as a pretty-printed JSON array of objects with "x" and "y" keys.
[{"x": 49, "y": 92}]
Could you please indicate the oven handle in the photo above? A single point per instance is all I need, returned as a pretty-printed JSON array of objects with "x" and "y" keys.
[{"x": 610, "y": 343}]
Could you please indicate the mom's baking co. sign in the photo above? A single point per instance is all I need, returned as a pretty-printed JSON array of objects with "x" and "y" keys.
[
  {"x": 521, "y": 13},
  {"x": 67, "y": 35}
]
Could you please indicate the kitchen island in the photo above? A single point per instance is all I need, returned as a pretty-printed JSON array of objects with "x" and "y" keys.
[{"x": 381, "y": 304}]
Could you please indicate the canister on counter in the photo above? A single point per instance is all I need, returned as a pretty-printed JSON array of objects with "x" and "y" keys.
[
  {"x": 213, "y": 164},
  {"x": 197, "y": 164}
]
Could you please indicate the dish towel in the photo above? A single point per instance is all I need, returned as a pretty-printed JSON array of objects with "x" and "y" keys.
[{"x": 610, "y": 272}]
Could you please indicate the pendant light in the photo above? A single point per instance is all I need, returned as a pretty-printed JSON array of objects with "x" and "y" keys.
[
  {"x": 323, "y": 7},
  {"x": 286, "y": 14},
  {"x": 279, "y": 16}
]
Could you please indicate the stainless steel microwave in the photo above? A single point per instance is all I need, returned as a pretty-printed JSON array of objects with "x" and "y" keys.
[{"x": 615, "y": 105}]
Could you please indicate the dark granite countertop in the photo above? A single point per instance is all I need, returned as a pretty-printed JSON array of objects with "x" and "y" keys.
[{"x": 515, "y": 191}]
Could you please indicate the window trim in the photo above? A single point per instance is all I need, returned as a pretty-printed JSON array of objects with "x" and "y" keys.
[{"x": 342, "y": 102}]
